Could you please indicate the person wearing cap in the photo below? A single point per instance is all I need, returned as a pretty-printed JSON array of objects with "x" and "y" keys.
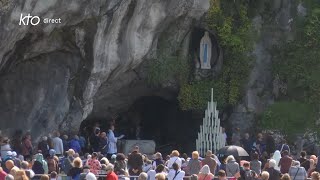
[
  {"x": 208, "y": 160},
  {"x": 297, "y": 172},
  {"x": 112, "y": 142},
  {"x": 135, "y": 162}
]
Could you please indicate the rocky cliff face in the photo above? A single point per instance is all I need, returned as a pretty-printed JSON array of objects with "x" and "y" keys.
[
  {"x": 53, "y": 75},
  {"x": 261, "y": 88}
]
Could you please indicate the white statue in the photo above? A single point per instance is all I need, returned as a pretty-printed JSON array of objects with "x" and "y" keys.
[{"x": 205, "y": 51}]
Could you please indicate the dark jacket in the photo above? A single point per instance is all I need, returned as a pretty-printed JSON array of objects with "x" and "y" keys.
[
  {"x": 44, "y": 147},
  {"x": 135, "y": 161},
  {"x": 273, "y": 174}
]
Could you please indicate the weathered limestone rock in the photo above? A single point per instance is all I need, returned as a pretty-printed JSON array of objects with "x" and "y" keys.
[{"x": 50, "y": 74}]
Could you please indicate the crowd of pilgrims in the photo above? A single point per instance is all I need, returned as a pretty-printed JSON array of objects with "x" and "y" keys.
[{"x": 49, "y": 160}]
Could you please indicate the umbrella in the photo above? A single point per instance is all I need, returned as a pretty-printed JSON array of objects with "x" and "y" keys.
[{"x": 236, "y": 151}]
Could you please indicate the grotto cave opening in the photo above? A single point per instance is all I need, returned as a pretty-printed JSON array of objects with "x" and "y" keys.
[{"x": 158, "y": 119}]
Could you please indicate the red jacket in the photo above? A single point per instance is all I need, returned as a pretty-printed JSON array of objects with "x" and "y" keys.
[{"x": 112, "y": 176}]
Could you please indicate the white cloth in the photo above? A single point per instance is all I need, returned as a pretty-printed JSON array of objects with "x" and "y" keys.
[
  {"x": 276, "y": 156},
  {"x": 172, "y": 173},
  {"x": 112, "y": 142},
  {"x": 174, "y": 159},
  {"x": 31, "y": 172},
  {"x": 58, "y": 145},
  {"x": 152, "y": 175}
]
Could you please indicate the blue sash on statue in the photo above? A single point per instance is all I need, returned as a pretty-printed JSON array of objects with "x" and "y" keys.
[{"x": 205, "y": 53}]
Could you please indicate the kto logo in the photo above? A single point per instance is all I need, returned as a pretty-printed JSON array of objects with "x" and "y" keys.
[{"x": 25, "y": 20}]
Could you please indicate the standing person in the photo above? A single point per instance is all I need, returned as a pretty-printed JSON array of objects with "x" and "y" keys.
[
  {"x": 43, "y": 146},
  {"x": 65, "y": 141},
  {"x": 255, "y": 164},
  {"x": 246, "y": 143},
  {"x": 222, "y": 175},
  {"x": 194, "y": 164},
  {"x": 157, "y": 161},
  {"x": 284, "y": 147},
  {"x": 94, "y": 163},
  {"x": 274, "y": 174},
  {"x": 205, "y": 174},
  {"x": 175, "y": 173},
  {"x": 76, "y": 169},
  {"x": 51, "y": 161},
  {"x": 135, "y": 162},
  {"x": 40, "y": 166},
  {"x": 3, "y": 174},
  {"x": 110, "y": 173},
  {"x": 277, "y": 156},
  {"x": 25, "y": 166},
  {"x": 247, "y": 174},
  {"x": 103, "y": 143},
  {"x": 27, "y": 147},
  {"x": 224, "y": 135},
  {"x": 232, "y": 167},
  {"x": 296, "y": 172},
  {"x": 270, "y": 144},
  {"x": 74, "y": 144},
  {"x": 208, "y": 160},
  {"x": 5, "y": 147},
  {"x": 112, "y": 142},
  {"x": 57, "y": 144},
  {"x": 67, "y": 162},
  {"x": 264, "y": 175},
  {"x": 236, "y": 138},
  {"x": 120, "y": 165},
  {"x": 285, "y": 162},
  {"x": 94, "y": 139},
  {"x": 304, "y": 162},
  {"x": 174, "y": 158}
]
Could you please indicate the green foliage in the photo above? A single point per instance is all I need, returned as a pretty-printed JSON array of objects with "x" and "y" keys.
[
  {"x": 289, "y": 117},
  {"x": 167, "y": 68},
  {"x": 197, "y": 94},
  {"x": 298, "y": 62},
  {"x": 234, "y": 31}
]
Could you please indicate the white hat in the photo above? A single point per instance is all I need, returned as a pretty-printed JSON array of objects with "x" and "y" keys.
[
  {"x": 9, "y": 153},
  {"x": 14, "y": 154},
  {"x": 90, "y": 176},
  {"x": 113, "y": 156}
]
